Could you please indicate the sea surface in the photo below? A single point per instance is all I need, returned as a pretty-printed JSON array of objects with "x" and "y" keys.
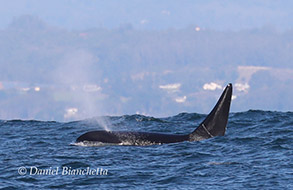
[{"x": 255, "y": 153}]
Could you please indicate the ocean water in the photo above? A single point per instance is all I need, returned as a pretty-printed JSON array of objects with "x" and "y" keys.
[{"x": 255, "y": 153}]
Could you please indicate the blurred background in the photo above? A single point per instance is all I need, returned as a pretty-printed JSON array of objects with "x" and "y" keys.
[{"x": 70, "y": 60}]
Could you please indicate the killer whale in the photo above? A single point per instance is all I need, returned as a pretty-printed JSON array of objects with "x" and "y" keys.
[{"x": 213, "y": 125}]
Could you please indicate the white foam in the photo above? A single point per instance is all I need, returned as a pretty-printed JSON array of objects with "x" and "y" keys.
[
  {"x": 124, "y": 143},
  {"x": 90, "y": 144}
]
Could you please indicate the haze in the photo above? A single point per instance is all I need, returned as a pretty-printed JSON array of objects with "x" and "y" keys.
[{"x": 68, "y": 60}]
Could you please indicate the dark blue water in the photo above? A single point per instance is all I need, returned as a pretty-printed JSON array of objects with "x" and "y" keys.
[{"x": 255, "y": 153}]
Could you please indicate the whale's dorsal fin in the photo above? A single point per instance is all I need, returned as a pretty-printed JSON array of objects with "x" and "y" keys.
[{"x": 215, "y": 123}]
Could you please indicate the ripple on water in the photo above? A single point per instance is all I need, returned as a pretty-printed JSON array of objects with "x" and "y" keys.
[{"x": 255, "y": 153}]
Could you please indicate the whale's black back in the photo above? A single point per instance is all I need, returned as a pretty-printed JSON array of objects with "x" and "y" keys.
[
  {"x": 213, "y": 125},
  {"x": 131, "y": 137}
]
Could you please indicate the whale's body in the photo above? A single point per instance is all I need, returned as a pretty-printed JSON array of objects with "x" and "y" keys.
[{"x": 213, "y": 125}]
